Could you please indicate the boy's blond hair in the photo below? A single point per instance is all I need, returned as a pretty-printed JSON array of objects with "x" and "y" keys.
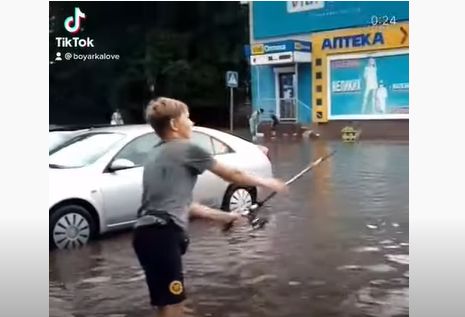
[{"x": 161, "y": 111}]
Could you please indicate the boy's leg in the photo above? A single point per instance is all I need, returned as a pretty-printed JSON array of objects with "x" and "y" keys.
[
  {"x": 159, "y": 254},
  {"x": 176, "y": 310}
]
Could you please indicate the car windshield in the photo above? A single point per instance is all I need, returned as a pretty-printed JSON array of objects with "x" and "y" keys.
[
  {"x": 83, "y": 150},
  {"x": 54, "y": 139},
  {"x": 57, "y": 138}
]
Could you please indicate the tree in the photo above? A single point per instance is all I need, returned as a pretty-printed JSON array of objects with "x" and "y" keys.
[{"x": 180, "y": 50}]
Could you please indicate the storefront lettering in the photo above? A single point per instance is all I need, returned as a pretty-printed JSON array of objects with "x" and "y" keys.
[
  {"x": 346, "y": 86},
  {"x": 400, "y": 86},
  {"x": 271, "y": 48},
  {"x": 359, "y": 40}
]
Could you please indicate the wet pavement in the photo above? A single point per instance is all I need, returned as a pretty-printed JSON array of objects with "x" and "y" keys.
[{"x": 336, "y": 245}]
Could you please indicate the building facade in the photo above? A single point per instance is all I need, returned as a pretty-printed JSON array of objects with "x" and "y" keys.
[{"x": 324, "y": 61}]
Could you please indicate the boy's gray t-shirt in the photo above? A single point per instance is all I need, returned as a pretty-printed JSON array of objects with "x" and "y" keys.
[{"x": 170, "y": 174}]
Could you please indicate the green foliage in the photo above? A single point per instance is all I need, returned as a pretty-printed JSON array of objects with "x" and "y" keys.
[{"x": 181, "y": 49}]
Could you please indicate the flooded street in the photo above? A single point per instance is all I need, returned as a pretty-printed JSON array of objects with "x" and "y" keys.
[{"x": 337, "y": 245}]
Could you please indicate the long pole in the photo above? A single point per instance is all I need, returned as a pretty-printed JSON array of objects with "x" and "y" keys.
[
  {"x": 231, "y": 108},
  {"x": 250, "y": 213},
  {"x": 293, "y": 179}
]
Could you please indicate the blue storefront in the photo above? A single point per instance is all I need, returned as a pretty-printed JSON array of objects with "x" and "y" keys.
[{"x": 301, "y": 82}]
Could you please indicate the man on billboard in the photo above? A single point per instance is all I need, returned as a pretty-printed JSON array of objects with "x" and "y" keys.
[{"x": 371, "y": 84}]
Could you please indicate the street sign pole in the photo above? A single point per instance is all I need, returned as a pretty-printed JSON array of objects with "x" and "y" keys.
[
  {"x": 231, "y": 109},
  {"x": 232, "y": 81}
]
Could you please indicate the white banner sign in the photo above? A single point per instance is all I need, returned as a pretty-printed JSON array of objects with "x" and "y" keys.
[
  {"x": 299, "y": 6},
  {"x": 275, "y": 58}
]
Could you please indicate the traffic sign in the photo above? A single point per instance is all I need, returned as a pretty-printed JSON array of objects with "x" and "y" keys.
[{"x": 232, "y": 79}]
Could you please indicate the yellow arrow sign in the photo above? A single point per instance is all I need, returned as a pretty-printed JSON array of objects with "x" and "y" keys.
[
  {"x": 361, "y": 39},
  {"x": 405, "y": 33}
]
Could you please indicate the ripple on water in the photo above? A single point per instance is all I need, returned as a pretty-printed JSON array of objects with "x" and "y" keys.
[
  {"x": 398, "y": 258},
  {"x": 96, "y": 280},
  {"x": 383, "y": 303},
  {"x": 366, "y": 249}
]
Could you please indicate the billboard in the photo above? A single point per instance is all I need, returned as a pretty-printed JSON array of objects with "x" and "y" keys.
[
  {"x": 372, "y": 86},
  {"x": 305, "y": 17}
]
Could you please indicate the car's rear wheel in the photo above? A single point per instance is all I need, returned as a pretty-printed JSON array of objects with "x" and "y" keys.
[
  {"x": 238, "y": 198},
  {"x": 71, "y": 227}
]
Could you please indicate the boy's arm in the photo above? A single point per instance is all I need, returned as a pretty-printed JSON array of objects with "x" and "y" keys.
[{"x": 202, "y": 211}]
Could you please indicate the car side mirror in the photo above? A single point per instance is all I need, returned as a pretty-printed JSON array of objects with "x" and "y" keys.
[{"x": 121, "y": 164}]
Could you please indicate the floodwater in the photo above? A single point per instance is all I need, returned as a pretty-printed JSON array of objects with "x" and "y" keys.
[{"x": 336, "y": 245}]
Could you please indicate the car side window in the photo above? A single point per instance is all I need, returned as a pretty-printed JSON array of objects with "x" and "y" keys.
[
  {"x": 220, "y": 148},
  {"x": 137, "y": 150},
  {"x": 203, "y": 140}
]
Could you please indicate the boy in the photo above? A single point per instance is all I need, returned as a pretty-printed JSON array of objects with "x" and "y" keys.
[{"x": 170, "y": 174}]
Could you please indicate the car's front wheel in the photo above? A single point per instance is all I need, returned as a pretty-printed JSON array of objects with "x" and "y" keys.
[
  {"x": 238, "y": 198},
  {"x": 71, "y": 226}
]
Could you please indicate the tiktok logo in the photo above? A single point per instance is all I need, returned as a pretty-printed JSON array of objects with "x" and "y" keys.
[
  {"x": 73, "y": 25},
  {"x": 75, "y": 21}
]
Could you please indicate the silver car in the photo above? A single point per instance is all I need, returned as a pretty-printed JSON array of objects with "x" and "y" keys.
[
  {"x": 57, "y": 138},
  {"x": 95, "y": 179}
]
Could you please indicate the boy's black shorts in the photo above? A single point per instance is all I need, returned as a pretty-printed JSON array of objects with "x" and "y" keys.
[{"x": 159, "y": 250}]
